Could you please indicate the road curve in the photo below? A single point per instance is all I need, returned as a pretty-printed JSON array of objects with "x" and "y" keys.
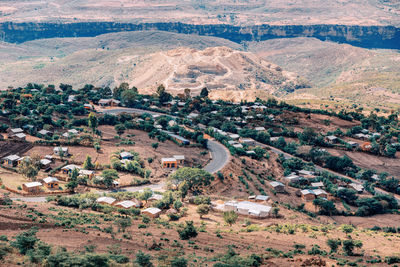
[{"x": 219, "y": 156}]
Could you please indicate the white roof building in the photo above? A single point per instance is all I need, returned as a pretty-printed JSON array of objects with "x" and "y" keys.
[
  {"x": 179, "y": 157},
  {"x": 50, "y": 180},
  {"x": 32, "y": 184},
  {"x": 106, "y": 200},
  {"x": 259, "y": 128},
  {"x": 152, "y": 210},
  {"x": 127, "y": 204},
  {"x": 12, "y": 157}
]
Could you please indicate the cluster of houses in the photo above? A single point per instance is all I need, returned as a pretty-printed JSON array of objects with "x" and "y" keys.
[
  {"x": 256, "y": 207},
  {"x": 151, "y": 212},
  {"x": 16, "y": 134},
  {"x": 14, "y": 160},
  {"x": 51, "y": 183}
]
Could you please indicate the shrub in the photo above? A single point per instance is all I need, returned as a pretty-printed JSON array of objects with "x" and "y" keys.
[
  {"x": 143, "y": 259},
  {"x": 188, "y": 231}
]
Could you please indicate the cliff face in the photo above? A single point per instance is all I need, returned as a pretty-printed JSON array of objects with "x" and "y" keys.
[{"x": 363, "y": 36}]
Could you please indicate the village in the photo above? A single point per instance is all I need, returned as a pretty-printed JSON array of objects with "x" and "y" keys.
[{"x": 169, "y": 158}]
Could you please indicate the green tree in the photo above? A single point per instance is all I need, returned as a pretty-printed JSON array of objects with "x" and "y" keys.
[
  {"x": 109, "y": 176},
  {"x": 230, "y": 217},
  {"x": 143, "y": 260},
  {"x": 193, "y": 179},
  {"x": 93, "y": 122},
  {"x": 120, "y": 129},
  {"x": 88, "y": 165},
  {"x": 73, "y": 180},
  {"x": 163, "y": 96},
  {"x": 326, "y": 207},
  {"x": 154, "y": 145},
  {"x": 350, "y": 245},
  {"x": 204, "y": 92},
  {"x": 128, "y": 97},
  {"x": 333, "y": 244},
  {"x": 188, "y": 231},
  {"x": 123, "y": 223},
  {"x": 28, "y": 168},
  {"x": 179, "y": 262},
  {"x": 25, "y": 241},
  {"x": 146, "y": 194},
  {"x": 203, "y": 209}
]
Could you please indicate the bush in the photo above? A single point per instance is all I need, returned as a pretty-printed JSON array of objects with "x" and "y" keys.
[
  {"x": 25, "y": 241},
  {"x": 188, "y": 231},
  {"x": 143, "y": 259},
  {"x": 392, "y": 259}
]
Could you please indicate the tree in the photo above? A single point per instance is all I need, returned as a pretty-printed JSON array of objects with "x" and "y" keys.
[
  {"x": 28, "y": 168},
  {"x": 92, "y": 122},
  {"x": 88, "y": 165},
  {"x": 193, "y": 178},
  {"x": 275, "y": 212},
  {"x": 128, "y": 97},
  {"x": 187, "y": 93},
  {"x": 120, "y": 128},
  {"x": 334, "y": 244},
  {"x": 163, "y": 96},
  {"x": 146, "y": 194},
  {"x": 179, "y": 262},
  {"x": 154, "y": 145},
  {"x": 188, "y": 231},
  {"x": 143, "y": 260},
  {"x": 202, "y": 210},
  {"x": 120, "y": 89},
  {"x": 123, "y": 223},
  {"x": 25, "y": 241},
  {"x": 73, "y": 180},
  {"x": 350, "y": 245},
  {"x": 230, "y": 217},
  {"x": 109, "y": 176},
  {"x": 326, "y": 207},
  {"x": 204, "y": 92}
]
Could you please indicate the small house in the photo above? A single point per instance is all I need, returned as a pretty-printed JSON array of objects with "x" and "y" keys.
[
  {"x": 109, "y": 103},
  {"x": 358, "y": 187},
  {"x": 238, "y": 146},
  {"x": 307, "y": 194},
  {"x": 69, "y": 168},
  {"x": 126, "y": 155},
  {"x": 306, "y": 174},
  {"x": 33, "y": 187},
  {"x": 155, "y": 197},
  {"x": 169, "y": 163},
  {"x": 180, "y": 159},
  {"x": 277, "y": 186},
  {"x": 11, "y": 160},
  {"x": 106, "y": 200},
  {"x": 73, "y": 132},
  {"x": 292, "y": 178},
  {"x": 331, "y": 139},
  {"x": 61, "y": 150},
  {"x": 318, "y": 184},
  {"x": 320, "y": 193},
  {"x": 259, "y": 129},
  {"x": 45, "y": 164},
  {"x": 234, "y": 136},
  {"x": 14, "y": 131},
  {"x": 88, "y": 106},
  {"x": 127, "y": 204},
  {"x": 353, "y": 144},
  {"x": 248, "y": 141},
  {"x": 19, "y": 137},
  {"x": 45, "y": 133},
  {"x": 88, "y": 173},
  {"x": 261, "y": 198},
  {"x": 152, "y": 212},
  {"x": 51, "y": 182}
]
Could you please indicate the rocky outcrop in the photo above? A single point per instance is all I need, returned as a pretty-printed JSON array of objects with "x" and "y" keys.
[{"x": 363, "y": 36}]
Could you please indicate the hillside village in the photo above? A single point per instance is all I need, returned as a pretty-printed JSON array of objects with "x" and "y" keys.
[{"x": 126, "y": 157}]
